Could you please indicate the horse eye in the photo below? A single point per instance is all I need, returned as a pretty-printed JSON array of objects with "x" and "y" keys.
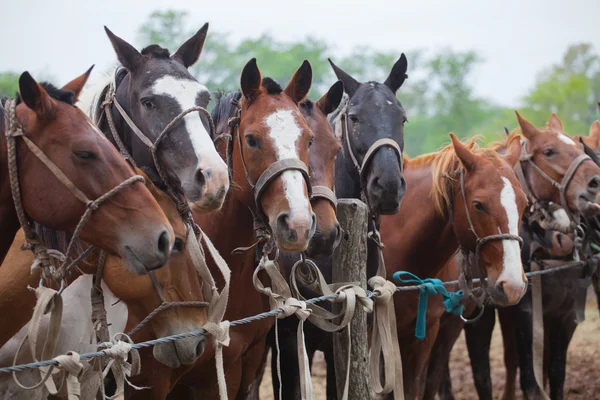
[
  {"x": 148, "y": 104},
  {"x": 353, "y": 118},
  {"x": 178, "y": 245},
  {"x": 85, "y": 155},
  {"x": 479, "y": 207},
  {"x": 310, "y": 142},
  {"x": 251, "y": 141},
  {"x": 549, "y": 153}
]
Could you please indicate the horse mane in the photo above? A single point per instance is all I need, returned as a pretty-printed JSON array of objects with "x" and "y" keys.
[
  {"x": 156, "y": 51},
  {"x": 307, "y": 107},
  {"x": 271, "y": 86},
  {"x": 500, "y": 145},
  {"x": 446, "y": 166},
  {"x": 224, "y": 108}
]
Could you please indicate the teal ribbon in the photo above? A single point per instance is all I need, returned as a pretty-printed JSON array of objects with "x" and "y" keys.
[{"x": 430, "y": 287}]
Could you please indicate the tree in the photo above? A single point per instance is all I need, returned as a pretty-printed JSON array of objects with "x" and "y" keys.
[
  {"x": 9, "y": 84},
  {"x": 570, "y": 88}
]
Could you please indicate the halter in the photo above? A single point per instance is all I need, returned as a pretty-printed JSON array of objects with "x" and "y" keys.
[
  {"x": 527, "y": 159},
  {"x": 13, "y": 131},
  {"x": 271, "y": 173}
]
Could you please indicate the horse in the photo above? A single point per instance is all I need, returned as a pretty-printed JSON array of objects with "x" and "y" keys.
[
  {"x": 63, "y": 163},
  {"x": 474, "y": 203},
  {"x": 270, "y": 134},
  {"x": 553, "y": 153},
  {"x": 135, "y": 297},
  {"x": 151, "y": 90}
]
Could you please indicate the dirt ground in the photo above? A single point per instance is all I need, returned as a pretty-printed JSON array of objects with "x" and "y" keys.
[{"x": 583, "y": 365}]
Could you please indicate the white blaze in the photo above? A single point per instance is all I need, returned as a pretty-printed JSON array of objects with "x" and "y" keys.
[
  {"x": 512, "y": 268},
  {"x": 185, "y": 92},
  {"x": 565, "y": 139},
  {"x": 284, "y": 131}
]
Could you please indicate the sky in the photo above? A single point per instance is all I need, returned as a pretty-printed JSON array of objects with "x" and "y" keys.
[{"x": 516, "y": 38}]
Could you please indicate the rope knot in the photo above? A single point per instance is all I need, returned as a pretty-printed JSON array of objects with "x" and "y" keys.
[
  {"x": 385, "y": 289},
  {"x": 70, "y": 363},
  {"x": 220, "y": 332},
  {"x": 92, "y": 205},
  {"x": 293, "y": 306}
]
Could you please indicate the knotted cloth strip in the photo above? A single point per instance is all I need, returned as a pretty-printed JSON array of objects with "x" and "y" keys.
[
  {"x": 430, "y": 287},
  {"x": 349, "y": 294},
  {"x": 280, "y": 297},
  {"x": 384, "y": 342},
  {"x": 117, "y": 352}
]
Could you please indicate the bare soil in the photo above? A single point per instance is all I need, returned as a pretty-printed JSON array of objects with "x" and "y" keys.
[{"x": 583, "y": 365}]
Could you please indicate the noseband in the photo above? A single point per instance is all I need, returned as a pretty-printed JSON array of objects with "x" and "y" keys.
[
  {"x": 527, "y": 159},
  {"x": 14, "y": 130},
  {"x": 271, "y": 173}
]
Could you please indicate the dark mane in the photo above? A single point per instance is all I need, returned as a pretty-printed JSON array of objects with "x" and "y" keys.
[
  {"x": 66, "y": 96},
  {"x": 223, "y": 108},
  {"x": 271, "y": 86},
  {"x": 307, "y": 107},
  {"x": 156, "y": 51}
]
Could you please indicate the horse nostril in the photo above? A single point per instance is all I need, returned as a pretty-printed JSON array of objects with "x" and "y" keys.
[
  {"x": 200, "y": 176},
  {"x": 200, "y": 347},
  {"x": 163, "y": 244}
]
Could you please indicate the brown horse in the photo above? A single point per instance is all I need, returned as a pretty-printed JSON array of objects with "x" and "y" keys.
[
  {"x": 178, "y": 280},
  {"x": 129, "y": 224},
  {"x": 545, "y": 145},
  {"x": 271, "y": 128},
  {"x": 495, "y": 203}
]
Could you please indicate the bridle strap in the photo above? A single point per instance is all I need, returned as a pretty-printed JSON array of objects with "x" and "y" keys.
[
  {"x": 323, "y": 192},
  {"x": 385, "y": 142}
]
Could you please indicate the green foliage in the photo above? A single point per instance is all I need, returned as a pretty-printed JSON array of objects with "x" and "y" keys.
[{"x": 9, "y": 84}]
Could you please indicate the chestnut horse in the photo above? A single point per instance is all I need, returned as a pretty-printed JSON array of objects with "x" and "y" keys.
[
  {"x": 151, "y": 90},
  {"x": 178, "y": 281},
  {"x": 130, "y": 224},
  {"x": 553, "y": 152},
  {"x": 464, "y": 196},
  {"x": 270, "y": 129}
]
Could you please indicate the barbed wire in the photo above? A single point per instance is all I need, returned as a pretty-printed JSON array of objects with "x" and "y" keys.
[{"x": 257, "y": 317}]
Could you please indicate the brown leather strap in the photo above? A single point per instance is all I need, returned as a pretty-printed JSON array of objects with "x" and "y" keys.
[{"x": 323, "y": 192}]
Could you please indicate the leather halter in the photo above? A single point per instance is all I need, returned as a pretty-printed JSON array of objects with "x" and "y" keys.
[
  {"x": 527, "y": 159},
  {"x": 385, "y": 142},
  {"x": 271, "y": 173},
  {"x": 14, "y": 130}
]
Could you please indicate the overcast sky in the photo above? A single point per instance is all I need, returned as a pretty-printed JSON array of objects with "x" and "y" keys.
[{"x": 517, "y": 38}]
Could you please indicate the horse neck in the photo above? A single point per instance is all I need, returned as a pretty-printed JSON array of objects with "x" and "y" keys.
[{"x": 417, "y": 239}]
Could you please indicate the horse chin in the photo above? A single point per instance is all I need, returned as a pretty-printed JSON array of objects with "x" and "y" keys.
[
  {"x": 323, "y": 244},
  {"x": 499, "y": 298}
]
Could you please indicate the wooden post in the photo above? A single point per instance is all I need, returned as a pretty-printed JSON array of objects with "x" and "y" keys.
[{"x": 350, "y": 265}]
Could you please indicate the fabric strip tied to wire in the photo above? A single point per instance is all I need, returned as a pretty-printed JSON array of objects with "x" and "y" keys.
[
  {"x": 430, "y": 287},
  {"x": 280, "y": 297}
]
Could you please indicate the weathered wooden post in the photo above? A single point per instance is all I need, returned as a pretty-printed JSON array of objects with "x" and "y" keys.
[{"x": 350, "y": 265}]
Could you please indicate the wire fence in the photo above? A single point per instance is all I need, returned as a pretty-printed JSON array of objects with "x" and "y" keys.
[{"x": 268, "y": 314}]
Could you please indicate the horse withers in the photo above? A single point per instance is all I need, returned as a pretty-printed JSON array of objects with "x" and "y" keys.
[
  {"x": 129, "y": 224},
  {"x": 151, "y": 90}
]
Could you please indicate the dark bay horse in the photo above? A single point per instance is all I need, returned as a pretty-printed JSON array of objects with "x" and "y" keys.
[
  {"x": 177, "y": 280},
  {"x": 553, "y": 152},
  {"x": 271, "y": 129},
  {"x": 152, "y": 89},
  {"x": 369, "y": 167},
  {"x": 129, "y": 224},
  {"x": 440, "y": 185}
]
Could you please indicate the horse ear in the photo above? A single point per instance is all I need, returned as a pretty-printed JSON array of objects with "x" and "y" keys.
[
  {"x": 331, "y": 100},
  {"x": 251, "y": 80},
  {"x": 189, "y": 52},
  {"x": 300, "y": 83},
  {"x": 465, "y": 156},
  {"x": 398, "y": 74},
  {"x": 77, "y": 84},
  {"x": 506, "y": 131},
  {"x": 529, "y": 131},
  {"x": 350, "y": 84},
  {"x": 595, "y": 133},
  {"x": 513, "y": 151},
  {"x": 126, "y": 53},
  {"x": 555, "y": 123},
  {"x": 34, "y": 95}
]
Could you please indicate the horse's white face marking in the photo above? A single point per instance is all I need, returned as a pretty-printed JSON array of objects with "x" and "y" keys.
[
  {"x": 565, "y": 139},
  {"x": 284, "y": 131},
  {"x": 562, "y": 218},
  {"x": 185, "y": 92},
  {"x": 512, "y": 268}
]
